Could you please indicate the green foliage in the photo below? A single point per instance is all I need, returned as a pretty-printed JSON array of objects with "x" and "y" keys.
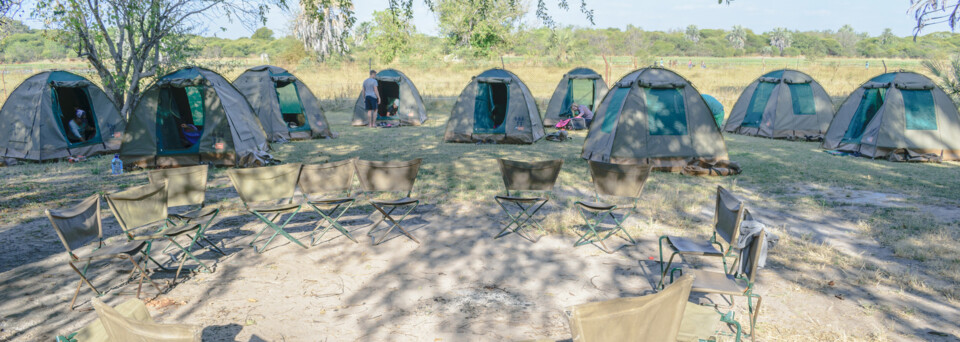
[
  {"x": 389, "y": 35},
  {"x": 948, "y": 75},
  {"x": 262, "y": 33},
  {"x": 479, "y": 28}
]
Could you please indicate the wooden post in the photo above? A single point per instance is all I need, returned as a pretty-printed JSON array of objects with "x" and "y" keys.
[
  {"x": 881, "y": 61},
  {"x": 606, "y": 67}
]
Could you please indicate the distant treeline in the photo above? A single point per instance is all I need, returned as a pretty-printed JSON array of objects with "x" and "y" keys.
[{"x": 568, "y": 44}]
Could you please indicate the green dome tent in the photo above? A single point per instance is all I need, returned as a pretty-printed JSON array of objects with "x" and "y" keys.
[
  {"x": 394, "y": 85},
  {"x": 35, "y": 119},
  {"x": 897, "y": 115},
  {"x": 654, "y": 116},
  {"x": 582, "y": 86},
  {"x": 716, "y": 108},
  {"x": 286, "y": 107},
  {"x": 782, "y": 104},
  {"x": 495, "y": 107},
  {"x": 193, "y": 116}
]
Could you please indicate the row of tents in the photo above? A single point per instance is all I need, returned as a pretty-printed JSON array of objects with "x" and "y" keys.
[{"x": 651, "y": 115}]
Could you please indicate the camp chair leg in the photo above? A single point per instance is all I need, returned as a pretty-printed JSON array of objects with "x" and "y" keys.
[
  {"x": 278, "y": 230},
  {"x": 83, "y": 280},
  {"x": 754, "y": 312},
  {"x": 730, "y": 319},
  {"x": 525, "y": 214},
  {"x": 395, "y": 223},
  {"x": 592, "y": 230},
  {"x": 331, "y": 222},
  {"x": 664, "y": 269},
  {"x": 183, "y": 259},
  {"x": 202, "y": 233},
  {"x": 143, "y": 275}
]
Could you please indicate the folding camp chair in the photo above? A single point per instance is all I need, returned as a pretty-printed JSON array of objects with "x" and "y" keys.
[
  {"x": 616, "y": 181},
  {"x": 730, "y": 212},
  {"x": 130, "y": 321},
  {"x": 142, "y": 208},
  {"x": 268, "y": 191},
  {"x": 79, "y": 226},
  {"x": 187, "y": 186},
  {"x": 663, "y": 316},
  {"x": 522, "y": 176},
  {"x": 319, "y": 180},
  {"x": 389, "y": 176},
  {"x": 738, "y": 282}
]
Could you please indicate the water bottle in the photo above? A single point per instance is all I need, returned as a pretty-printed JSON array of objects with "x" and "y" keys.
[{"x": 116, "y": 165}]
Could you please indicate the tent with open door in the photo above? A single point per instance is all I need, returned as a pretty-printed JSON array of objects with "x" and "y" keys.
[
  {"x": 898, "y": 115},
  {"x": 582, "y": 86},
  {"x": 393, "y": 85},
  {"x": 495, "y": 107},
  {"x": 193, "y": 116},
  {"x": 286, "y": 107},
  {"x": 654, "y": 116},
  {"x": 782, "y": 104},
  {"x": 37, "y": 121}
]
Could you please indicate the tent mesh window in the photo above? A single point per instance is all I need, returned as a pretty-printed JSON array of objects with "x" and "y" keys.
[
  {"x": 67, "y": 102},
  {"x": 801, "y": 94},
  {"x": 180, "y": 118},
  {"x": 490, "y": 108},
  {"x": 919, "y": 109},
  {"x": 389, "y": 91},
  {"x": 757, "y": 104},
  {"x": 613, "y": 109},
  {"x": 870, "y": 103},
  {"x": 666, "y": 113},
  {"x": 290, "y": 106}
]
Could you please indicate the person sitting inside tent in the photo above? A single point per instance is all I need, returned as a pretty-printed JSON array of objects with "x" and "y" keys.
[
  {"x": 190, "y": 134},
  {"x": 78, "y": 127},
  {"x": 393, "y": 108},
  {"x": 581, "y": 111}
]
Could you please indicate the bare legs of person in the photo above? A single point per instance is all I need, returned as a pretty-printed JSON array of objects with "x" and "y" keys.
[{"x": 372, "y": 118}]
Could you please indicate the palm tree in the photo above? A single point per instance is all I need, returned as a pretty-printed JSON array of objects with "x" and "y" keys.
[
  {"x": 886, "y": 37},
  {"x": 948, "y": 73},
  {"x": 737, "y": 37},
  {"x": 781, "y": 38},
  {"x": 693, "y": 33}
]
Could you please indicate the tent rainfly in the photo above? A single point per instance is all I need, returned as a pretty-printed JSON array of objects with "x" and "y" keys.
[
  {"x": 393, "y": 85},
  {"x": 582, "y": 86},
  {"x": 193, "y": 116},
  {"x": 495, "y": 107},
  {"x": 902, "y": 116},
  {"x": 782, "y": 104},
  {"x": 286, "y": 107},
  {"x": 654, "y": 116},
  {"x": 716, "y": 108},
  {"x": 37, "y": 121}
]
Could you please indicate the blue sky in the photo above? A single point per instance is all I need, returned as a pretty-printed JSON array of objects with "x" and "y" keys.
[{"x": 870, "y": 16}]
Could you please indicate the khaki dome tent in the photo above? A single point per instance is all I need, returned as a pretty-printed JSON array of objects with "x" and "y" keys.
[
  {"x": 582, "y": 86},
  {"x": 654, "y": 116},
  {"x": 495, "y": 107},
  {"x": 782, "y": 104},
  {"x": 286, "y": 107},
  {"x": 394, "y": 85},
  {"x": 193, "y": 116},
  {"x": 896, "y": 114},
  {"x": 35, "y": 119}
]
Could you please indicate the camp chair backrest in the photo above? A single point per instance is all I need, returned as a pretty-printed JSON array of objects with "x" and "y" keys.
[
  {"x": 654, "y": 317},
  {"x": 529, "y": 176},
  {"x": 619, "y": 180},
  {"x": 139, "y": 206},
  {"x": 265, "y": 184},
  {"x": 327, "y": 177},
  {"x": 729, "y": 214},
  {"x": 122, "y": 328},
  {"x": 750, "y": 267},
  {"x": 185, "y": 185},
  {"x": 387, "y": 176},
  {"x": 78, "y": 225}
]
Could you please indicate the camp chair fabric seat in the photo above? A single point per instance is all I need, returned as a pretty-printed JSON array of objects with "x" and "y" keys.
[
  {"x": 401, "y": 201},
  {"x": 204, "y": 212},
  {"x": 129, "y": 248},
  {"x": 332, "y": 200},
  {"x": 186, "y": 188},
  {"x": 169, "y": 232},
  {"x": 120, "y": 327},
  {"x": 687, "y": 246},
  {"x": 519, "y": 199},
  {"x": 596, "y": 205},
  {"x": 274, "y": 207},
  {"x": 699, "y": 322},
  {"x": 528, "y": 178},
  {"x": 268, "y": 191},
  {"x": 328, "y": 189},
  {"x": 390, "y": 177},
  {"x": 717, "y": 282},
  {"x": 95, "y": 332}
]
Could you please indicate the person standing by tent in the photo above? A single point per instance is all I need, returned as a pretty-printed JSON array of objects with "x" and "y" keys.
[
  {"x": 78, "y": 126},
  {"x": 371, "y": 96}
]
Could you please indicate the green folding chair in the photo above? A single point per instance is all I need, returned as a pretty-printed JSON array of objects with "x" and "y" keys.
[
  {"x": 739, "y": 282},
  {"x": 529, "y": 177},
  {"x": 130, "y": 321},
  {"x": 187, "y": 187},
  {"x": 730, "y": 212},
  {"x": 78, "y": 226},
  {"x": 390, "y": 177},
  {"x": 267, "y": 193},
  {"x": 612, "y": 180},
  {"x": 317, "y": 182},
  {"x": 142, "y": 214}
]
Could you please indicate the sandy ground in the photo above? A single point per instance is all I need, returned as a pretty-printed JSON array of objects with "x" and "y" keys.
[{"x": 458, "y": 285}]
